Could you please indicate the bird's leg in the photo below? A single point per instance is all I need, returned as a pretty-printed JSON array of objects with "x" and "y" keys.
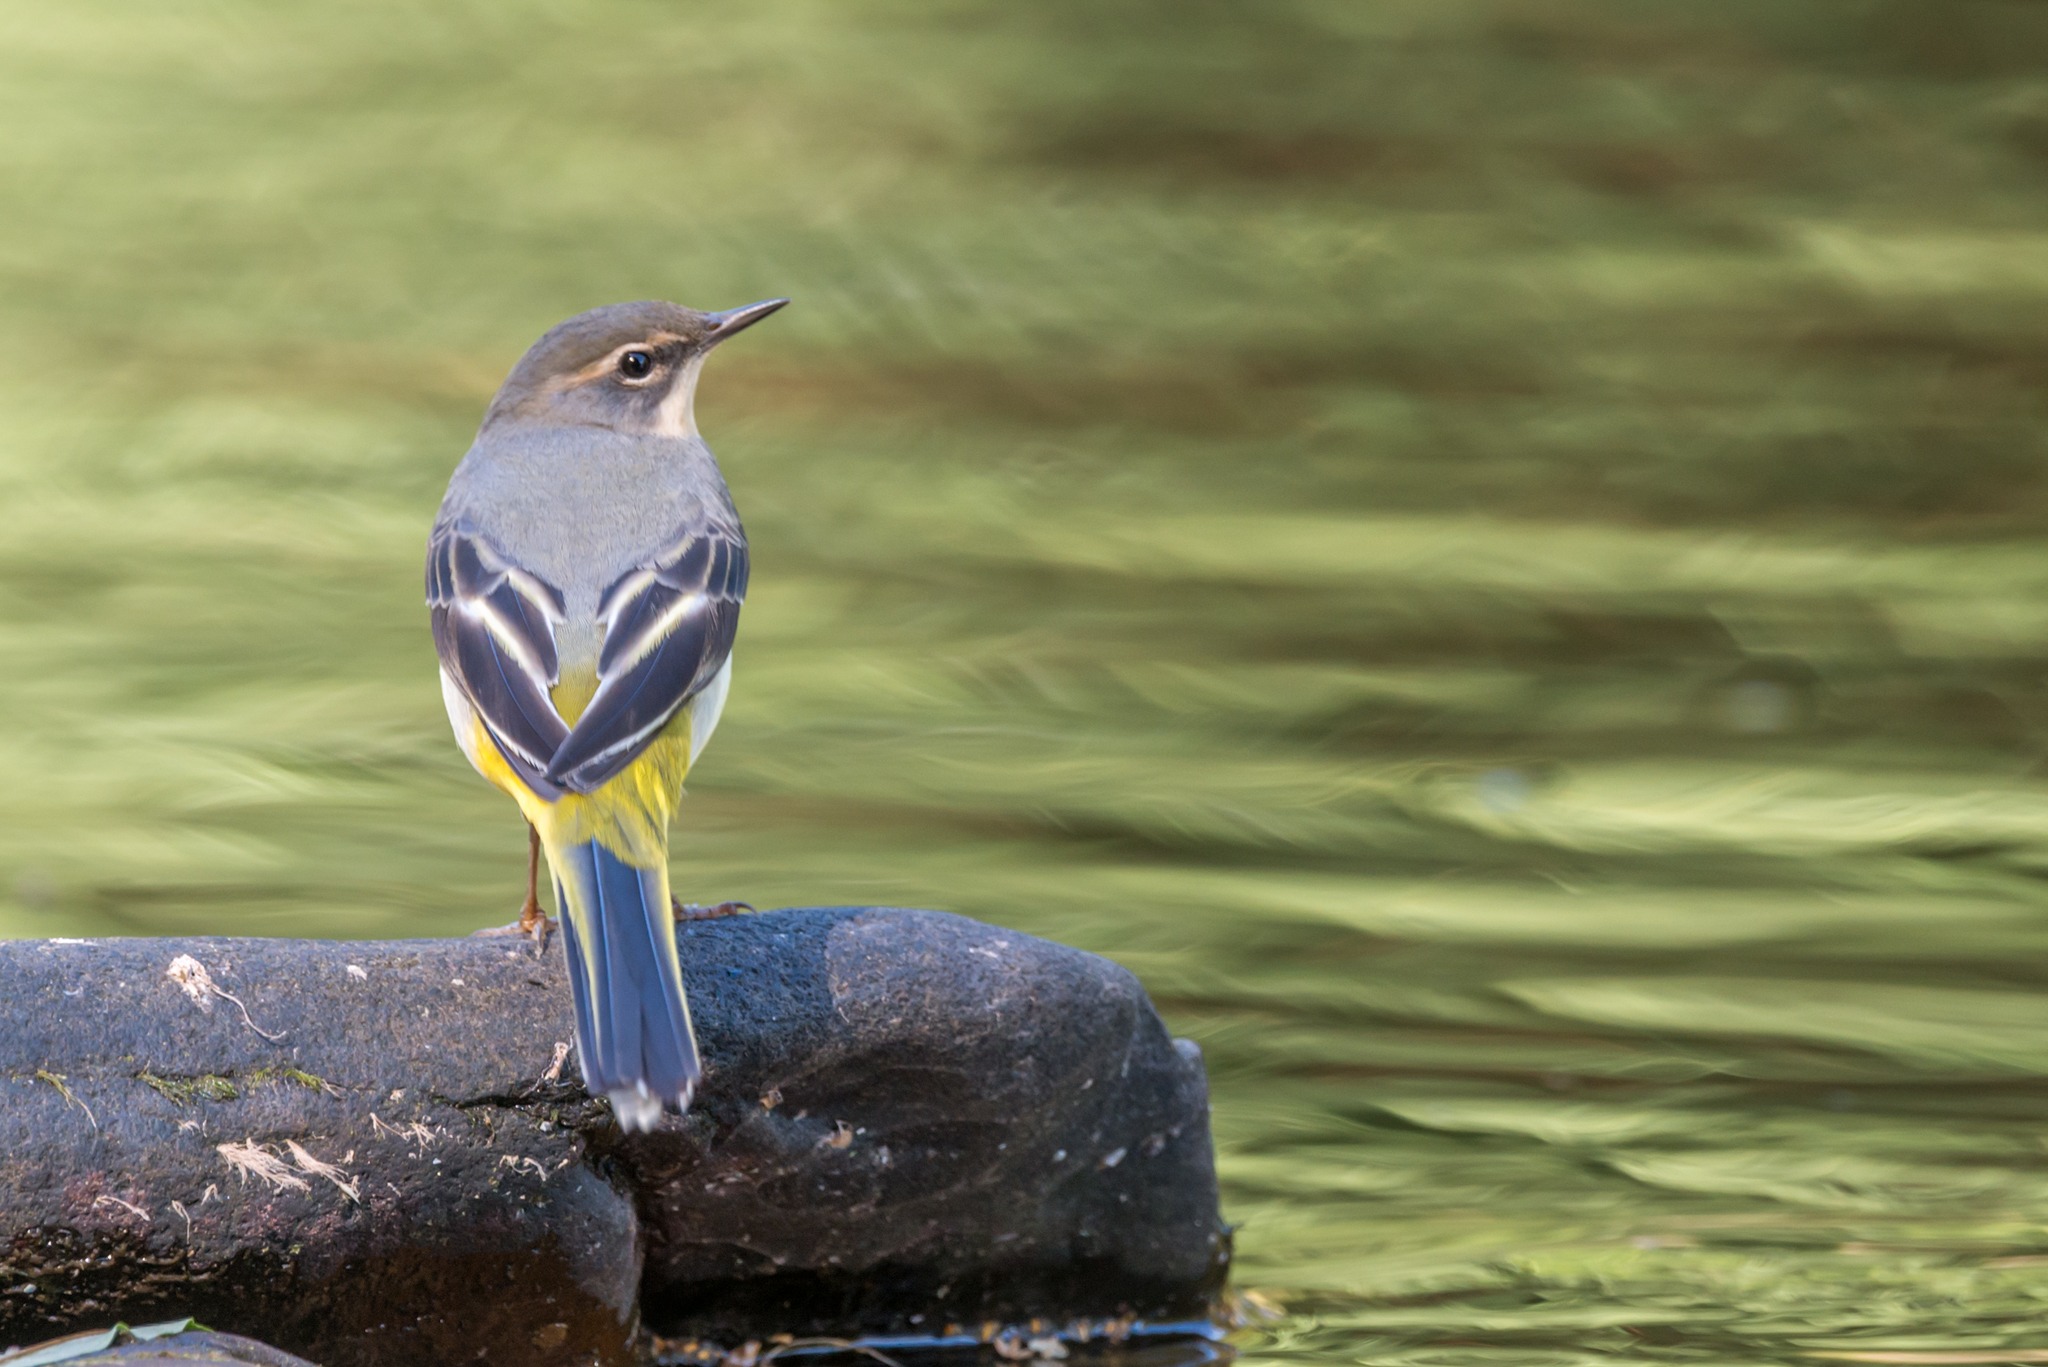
[
  {"x": 690, "y": 911},
  {"x": 533, "y": 923},
  {"x": 532, "y": 919}
]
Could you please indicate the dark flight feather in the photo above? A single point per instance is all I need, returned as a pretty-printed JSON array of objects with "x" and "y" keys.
[
  {"x": 669, "y": 627},
  {"x": 494, "y": 631}
]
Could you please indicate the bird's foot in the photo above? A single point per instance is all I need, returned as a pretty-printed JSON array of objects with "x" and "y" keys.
[
  {"x": 533, "y": 923},
  {"x": 690, "y": 911}
]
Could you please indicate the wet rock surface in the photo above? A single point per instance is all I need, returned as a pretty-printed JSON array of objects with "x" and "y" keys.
[
  {"x": 380, "y": 1153},
  {"x": 192, "y": 1347}
]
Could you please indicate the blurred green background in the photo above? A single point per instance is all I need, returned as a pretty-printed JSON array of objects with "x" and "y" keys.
[{"x": 1490, "y": 550}]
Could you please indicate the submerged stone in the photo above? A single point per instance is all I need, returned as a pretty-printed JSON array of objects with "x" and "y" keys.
[
  {"x": 154, "y": 1346},
  {"x": 381, "y": 1152}
]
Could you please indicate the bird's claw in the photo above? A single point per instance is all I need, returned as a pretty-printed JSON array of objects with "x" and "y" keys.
[{"x": 533, "y": 923}]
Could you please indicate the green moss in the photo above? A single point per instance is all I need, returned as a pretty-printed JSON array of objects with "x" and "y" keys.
[
  {"x": 182, "y": 1091},
  {"x": 298, "y": 1076},
  {"x": 62, "y": 1084}
]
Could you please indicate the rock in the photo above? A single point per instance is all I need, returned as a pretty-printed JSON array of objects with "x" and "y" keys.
[
  {"x": 162, "y": 1345},
  {"x": 916, "y": 1114},
  {"x": 193, "y": 1350},
  {"x": 376, "y": 1153}
]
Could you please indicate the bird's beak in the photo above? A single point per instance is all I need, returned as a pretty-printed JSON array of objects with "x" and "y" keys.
[{"x": 724, "y": 325}]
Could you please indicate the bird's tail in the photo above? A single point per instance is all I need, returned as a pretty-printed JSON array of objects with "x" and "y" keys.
[{"x": 633, "y": 1033}]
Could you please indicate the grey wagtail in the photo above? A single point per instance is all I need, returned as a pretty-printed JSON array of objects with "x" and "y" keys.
[{"x": 585, "y": 577}]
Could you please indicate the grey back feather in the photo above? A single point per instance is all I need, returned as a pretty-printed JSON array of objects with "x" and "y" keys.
[{"x": 580, "y": 506}]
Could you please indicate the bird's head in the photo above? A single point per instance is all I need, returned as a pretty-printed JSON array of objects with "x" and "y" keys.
[{"x": 627, "y": 367}]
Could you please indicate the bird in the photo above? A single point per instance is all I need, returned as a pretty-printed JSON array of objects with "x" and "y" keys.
[{"x": 584, "y": 580}]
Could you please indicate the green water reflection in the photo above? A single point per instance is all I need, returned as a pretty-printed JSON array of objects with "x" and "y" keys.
[{"x": 1490, "y": 551}]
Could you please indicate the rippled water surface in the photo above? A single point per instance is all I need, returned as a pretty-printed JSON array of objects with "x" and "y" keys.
[{"x": 1490, "y": 551}]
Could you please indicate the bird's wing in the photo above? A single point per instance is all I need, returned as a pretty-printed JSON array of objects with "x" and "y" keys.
[
  {"x": 494, "y": 627},
  {"x": 669, "y": 627}
]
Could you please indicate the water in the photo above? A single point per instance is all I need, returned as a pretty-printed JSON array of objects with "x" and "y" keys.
[{"x": 1490, "y": 551}]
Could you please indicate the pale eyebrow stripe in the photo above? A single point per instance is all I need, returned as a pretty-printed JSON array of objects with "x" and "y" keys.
[{"x": 603, "y": 364}]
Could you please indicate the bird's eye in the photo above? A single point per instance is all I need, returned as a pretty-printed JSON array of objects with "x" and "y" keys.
[{"x": 636, "y": 365}]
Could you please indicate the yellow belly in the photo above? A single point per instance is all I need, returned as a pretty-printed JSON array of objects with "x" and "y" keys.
[{"x": 629, "y": 815}]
